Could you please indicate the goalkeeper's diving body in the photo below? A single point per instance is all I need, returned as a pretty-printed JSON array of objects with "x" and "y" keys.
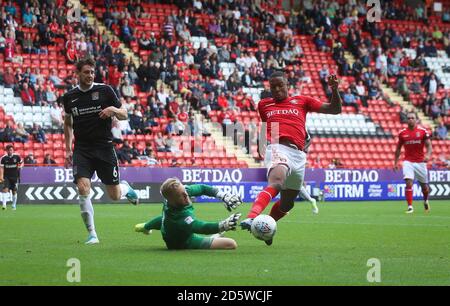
[{"x": 180, "y": 228}]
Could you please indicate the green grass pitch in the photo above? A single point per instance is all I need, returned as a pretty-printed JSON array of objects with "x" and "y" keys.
[{"x": 329, "y": 249}]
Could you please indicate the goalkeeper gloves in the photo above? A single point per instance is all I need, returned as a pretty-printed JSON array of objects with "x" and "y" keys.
[
  {"x": 230, "y": 223},
  {"x": 230, "y": 201}
]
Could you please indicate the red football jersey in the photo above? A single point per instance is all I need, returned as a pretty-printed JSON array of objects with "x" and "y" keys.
[
  {"x": 289, "y": 115},
  {"x": 414, "y": 142}
]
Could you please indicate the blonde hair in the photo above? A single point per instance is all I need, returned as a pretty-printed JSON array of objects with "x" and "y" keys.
[{"x": 169, "y": 185}]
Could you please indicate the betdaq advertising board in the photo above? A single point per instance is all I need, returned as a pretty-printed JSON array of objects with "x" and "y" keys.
[{"x": 55, "y": 184}]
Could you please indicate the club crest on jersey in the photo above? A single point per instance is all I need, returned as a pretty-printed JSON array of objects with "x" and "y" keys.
[
  {"x": 95, "y": 95},
  {"x": 294, "y": 101},
  {"x": 417, "y": 134}
]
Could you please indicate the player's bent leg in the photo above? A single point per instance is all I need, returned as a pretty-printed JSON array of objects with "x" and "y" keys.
[
  {"x": 115, "y": 192},
  {"x": 305, "y": 195},
  {"x": 223, "y": 243},
  {"x": 131, "y": 195},
  {"x": 276, "y": 178}
]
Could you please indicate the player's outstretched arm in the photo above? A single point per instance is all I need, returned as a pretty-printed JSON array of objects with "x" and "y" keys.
[
  {"x": 154, "y": 223},
  {"x": 68, "y": 137},
  {"x": 231, "y": 201},
  {"x": 335, "y": 105},
  {"x": 112, "y": 111},
  {"x": 230, "y": 223}
]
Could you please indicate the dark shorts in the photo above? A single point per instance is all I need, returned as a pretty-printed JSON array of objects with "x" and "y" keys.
[
  {"x": 100, "y": 160},
  {"x": 11, "y": 183}
]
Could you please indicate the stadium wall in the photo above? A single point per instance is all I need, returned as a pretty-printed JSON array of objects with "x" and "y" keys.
[{"x": 54, "y": 184}]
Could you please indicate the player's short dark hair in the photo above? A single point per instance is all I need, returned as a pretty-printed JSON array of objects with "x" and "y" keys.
[
  {"x": 85, "y": 61},
  {"x": 9, "y": 147},
  {"x": 277, "y": 74},
  {"x": 412, "y": 112}
]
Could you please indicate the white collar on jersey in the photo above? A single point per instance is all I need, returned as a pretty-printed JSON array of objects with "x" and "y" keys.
[{"x": 93, "y": 83}]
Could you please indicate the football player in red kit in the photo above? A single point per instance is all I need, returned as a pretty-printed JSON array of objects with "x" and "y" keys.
[
  {"x": 285, "y": 156},
  {"x": 414, "y": 138}
]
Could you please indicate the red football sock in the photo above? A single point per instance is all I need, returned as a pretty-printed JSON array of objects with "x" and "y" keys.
[
  {"x": 262, "y": 200},
  {"x": 409, "y": 195},
  {"x": 275, "y": 212},
  {"x": 425, "y": 192}
]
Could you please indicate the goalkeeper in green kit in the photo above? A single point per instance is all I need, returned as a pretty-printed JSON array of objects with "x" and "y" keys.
[{"x": 178, "y": 224}]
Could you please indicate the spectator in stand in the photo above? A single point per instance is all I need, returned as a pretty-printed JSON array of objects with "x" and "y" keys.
[
  {"x": 27, "y": 43},
  {"x": 116, "y": 131},
  {"x": 431, "y": 84},
  {"x": 361, "y": 92},
  {"x": 427, "y": 103},
  {"x": 9, "y": 51},
  {"x": 20, "y": 134},
  {"x": 2, "y": 42},
  {"x": 441, "y": 131},
  {"x": 9, "y": 80},
  {"x": 126, "y": 32},
  {"x": 170, "y": 128},
  {"x": 50, "y": 95},
  {"x": 350, "y": 100},
  {"x": 8, "y": 132},
  {"x": 445, "y": 105},
  {"x": 435, "y": 110},
  {"x": 48, "y": 160},
  {"x": 56, "y": 113},
  {"x": 39, "y": 95},
  {"x": 29, "y": 159},
  {"x": 27, "y": 95},
  {"x": 55, "y": 79},
  {"x": 134, "y": 152},
  {"x": 160, "y": 143},
  {"x": 127, "y": 89},
  {"x": 38, "y": 133}
]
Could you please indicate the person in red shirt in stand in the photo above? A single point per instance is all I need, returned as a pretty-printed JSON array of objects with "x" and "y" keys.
[
  {"x": 27, "y": 95},
  {"x": 285, "y": 156},
  {"x": 414, "y": 139},
  {"x": 222, "y": 100},
  {"x": 183, "y": 116}
]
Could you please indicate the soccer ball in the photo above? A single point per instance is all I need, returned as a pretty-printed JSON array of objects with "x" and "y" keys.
[{"x": 264, "y": 227}]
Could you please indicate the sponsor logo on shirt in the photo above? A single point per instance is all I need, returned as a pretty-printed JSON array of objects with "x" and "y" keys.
[
  {"x": 283, "y": 112},
  {"x": 413, "y": 142},
  {"x": 189, "y": 220}
]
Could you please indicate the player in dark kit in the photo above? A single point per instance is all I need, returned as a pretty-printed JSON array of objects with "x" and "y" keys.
[
  {"x": 89, "y": 109},
  {"x": 10, "y": 165}
]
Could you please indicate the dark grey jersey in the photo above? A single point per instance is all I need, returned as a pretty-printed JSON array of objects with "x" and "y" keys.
[
  {"x": 11, "y": 165},
  {"x": 84, "y": 107}
]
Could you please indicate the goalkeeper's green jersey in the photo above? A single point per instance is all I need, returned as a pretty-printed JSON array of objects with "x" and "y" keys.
[{"x": 179, "y": 225}]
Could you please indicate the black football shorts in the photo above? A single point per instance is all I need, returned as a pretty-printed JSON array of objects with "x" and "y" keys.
[
  {"x": 10, "y": 183},
  {"x": 100, "y": 160}
]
